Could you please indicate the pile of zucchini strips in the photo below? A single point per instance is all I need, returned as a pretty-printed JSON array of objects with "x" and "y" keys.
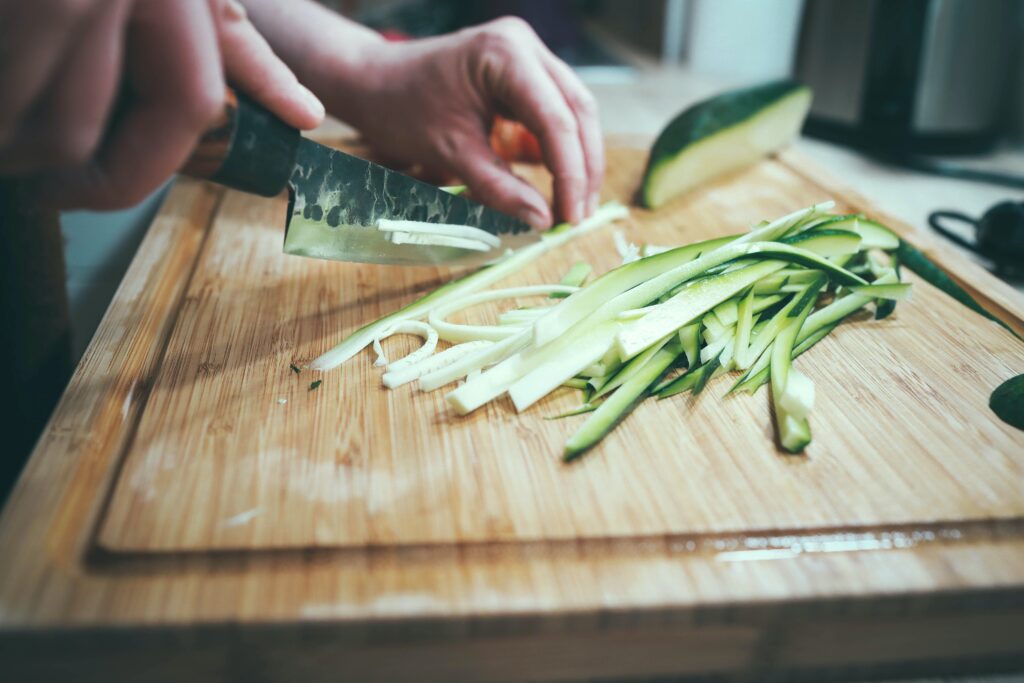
[{"x": 665, "y": 322}]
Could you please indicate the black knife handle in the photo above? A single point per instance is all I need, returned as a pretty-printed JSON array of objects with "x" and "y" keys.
[{"x": 247, "y": 149}]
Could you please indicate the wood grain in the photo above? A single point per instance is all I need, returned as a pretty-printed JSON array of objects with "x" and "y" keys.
[
  {"x": 578, "y": 587},
  {"x": 902, "y": 431}
]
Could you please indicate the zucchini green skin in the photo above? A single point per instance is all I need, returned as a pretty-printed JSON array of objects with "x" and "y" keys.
[
  {"x": 710, "y": 118},
  {"x": 1007, "y": 401},
  {"x": 934, "y": 275},
  {"x": 619, "y": 404},
  {"x": 794, "y": 433}
]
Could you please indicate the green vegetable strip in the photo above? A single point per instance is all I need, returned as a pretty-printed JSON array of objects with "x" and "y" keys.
[
  {"x": 630, "y": 369},
  {"x": 744, "y": 325},
  {"x": 694, "y": 301},
  {"x": 468, "y": 284},
  {"x": 894, "y": 292},
  {"x": 687, "y": 306},
  {"x": 794, "y": 432},
  {"x": 617, "y": 406},
  {"x": 689, "y": 337},
  {"x": 933, "y": 274},
  {"x": 827, "y": 316},
  {"x": 691, "y": 379},
  {"x": 874, "y": 235},
  {"x": 576, "y": 276},
  {"x": 581, "y": 409},
  {"x": 755, "y": 382},
  {"x": 581, "y": 304},
  {"x": 651, "y": 277}
]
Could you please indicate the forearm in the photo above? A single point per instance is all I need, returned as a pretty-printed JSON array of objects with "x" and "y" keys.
[{"x": 331, "y": 55}]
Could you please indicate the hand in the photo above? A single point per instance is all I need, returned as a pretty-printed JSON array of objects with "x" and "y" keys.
[
  {"x": 63, "y": 63},
  {"x": 432, "y": 101}
]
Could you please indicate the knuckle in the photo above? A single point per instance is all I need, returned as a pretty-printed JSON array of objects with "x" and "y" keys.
[
  {"x": 504, "y": 34},
  {"x": 72, "y": 9},
  {"x": 562, "y": 124},
  {"x": 203, "y": 104},
  {"x": 573, "y": 180},
  {"x": 584, "y": 103},
  {"x": 70, "y": 144},
  {"x": 513, "y": 25}
]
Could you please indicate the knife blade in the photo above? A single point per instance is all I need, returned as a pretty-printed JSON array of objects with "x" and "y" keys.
[{"x": 336, "y": 199}]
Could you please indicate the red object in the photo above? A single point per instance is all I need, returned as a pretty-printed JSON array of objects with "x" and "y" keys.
[
  {"x": 511, "y": 141},
  {"x": 394, "y": 35}
]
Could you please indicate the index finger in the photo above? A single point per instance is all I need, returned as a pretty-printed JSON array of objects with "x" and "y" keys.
[
  {"x": 532, "y": 96},
  {"x": 584, "y": 107}
]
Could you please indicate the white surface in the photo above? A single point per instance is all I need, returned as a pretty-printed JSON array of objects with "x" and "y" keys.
[{"x": 752, "y": 41}]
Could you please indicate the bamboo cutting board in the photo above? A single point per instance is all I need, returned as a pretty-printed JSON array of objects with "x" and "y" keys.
[
  {"x": 191, "y": 484},
  {"x": 234, "y": 451}
]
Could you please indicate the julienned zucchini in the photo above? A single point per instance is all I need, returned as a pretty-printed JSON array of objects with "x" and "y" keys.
[
  {"x": 723, "y": 134},
  {"x": 748, "y": 302}
]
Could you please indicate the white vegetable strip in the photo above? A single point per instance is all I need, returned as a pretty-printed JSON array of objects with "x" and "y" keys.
[
  {"x": 521, "y": 316},
  {"x": 495, "y": 353},
  {"x": 462, "y": 231},
  {"x": 438, "y": 241},
  {"x": 396, "y": 378},
  {"x": 744, "y": 324},
  {"x": 458, "y": 332},
  {"x": 497, "y": 380},
  {"x": 557, "y": 368},
  {"x": 424, "y": 330},
  {"x": 652, "y": 249},
  {"x": 516, "y": 261},
  {"x": 628, "y": 251}
]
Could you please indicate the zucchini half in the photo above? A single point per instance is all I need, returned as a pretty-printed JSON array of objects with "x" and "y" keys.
[{"x": 723, "y": 134}]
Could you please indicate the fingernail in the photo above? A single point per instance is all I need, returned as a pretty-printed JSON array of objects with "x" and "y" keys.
[
  {"x": 535, "y": 218},
  {"x": 311, "y": 101}
]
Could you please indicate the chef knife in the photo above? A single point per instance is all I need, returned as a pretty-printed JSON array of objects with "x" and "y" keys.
[{"x": 335, "y": 199}]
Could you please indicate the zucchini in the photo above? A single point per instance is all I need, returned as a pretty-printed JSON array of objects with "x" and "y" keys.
[
  {"x": 794, "y": 430},
  {"x": 704, "y": 294},
  {"x": 620, "y": 403},
  {"x": 1007, "y": 401},
  {"x": 873, "y": 235},
  {"x": 934, "y": 275},
  {"x": 575, "y": 277},
  {"x": 723, "y": 134}
]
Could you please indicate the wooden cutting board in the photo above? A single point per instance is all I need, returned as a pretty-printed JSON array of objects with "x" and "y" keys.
[
  {"x": 234, "y": 450},
  {"x": 190, "y": 477}
]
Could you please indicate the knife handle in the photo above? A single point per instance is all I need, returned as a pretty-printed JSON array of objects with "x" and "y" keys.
[{"x": 247, "y": 148}]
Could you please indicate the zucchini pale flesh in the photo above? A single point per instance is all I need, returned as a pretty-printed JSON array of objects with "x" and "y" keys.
[{"x": 723, "y": 134}]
